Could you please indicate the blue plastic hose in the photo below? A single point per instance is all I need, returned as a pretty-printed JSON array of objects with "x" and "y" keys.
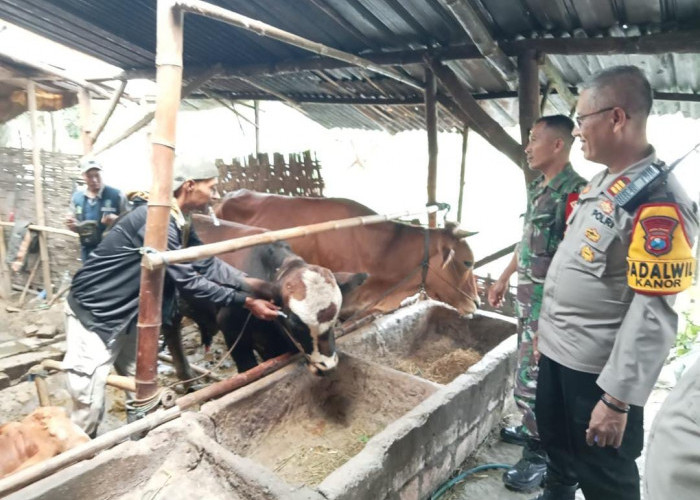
[{"x": 449, "y": 484}]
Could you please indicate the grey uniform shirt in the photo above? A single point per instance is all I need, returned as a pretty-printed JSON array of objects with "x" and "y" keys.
[{"x": 590, "y": 320}]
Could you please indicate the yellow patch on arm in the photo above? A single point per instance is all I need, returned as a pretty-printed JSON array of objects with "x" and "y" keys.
[{"x": 660, "y": 258}]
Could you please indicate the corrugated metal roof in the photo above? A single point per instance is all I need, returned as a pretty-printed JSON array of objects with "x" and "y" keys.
[{"x": 123, "y": 33}]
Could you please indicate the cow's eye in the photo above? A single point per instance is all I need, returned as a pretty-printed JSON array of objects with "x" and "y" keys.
[{"x": 468, "y": 263}]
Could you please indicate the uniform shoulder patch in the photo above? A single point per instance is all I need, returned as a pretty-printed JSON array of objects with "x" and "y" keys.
[
  {"x": 571, "y": 201},
  {"x": 660, "y": 257}
]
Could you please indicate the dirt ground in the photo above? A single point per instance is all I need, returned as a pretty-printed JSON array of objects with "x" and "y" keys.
[{"x": 18, "y": 336}]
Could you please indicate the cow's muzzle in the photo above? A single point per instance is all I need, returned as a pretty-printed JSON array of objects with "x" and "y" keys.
[{"x": 319, "y": 364}]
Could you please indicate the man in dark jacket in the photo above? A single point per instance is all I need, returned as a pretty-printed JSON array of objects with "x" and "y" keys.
[{"x": 102, "y": 306}]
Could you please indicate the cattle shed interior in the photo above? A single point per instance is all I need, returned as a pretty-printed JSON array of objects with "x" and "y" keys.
[{"x": 391, "y": 65}]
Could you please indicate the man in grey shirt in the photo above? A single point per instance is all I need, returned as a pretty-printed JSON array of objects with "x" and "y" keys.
[{"x": 607, "y": 323}]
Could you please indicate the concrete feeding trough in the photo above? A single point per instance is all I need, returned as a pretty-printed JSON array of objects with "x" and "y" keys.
[
  {"x": 429, "y": 340},
  {"x": 304, "y": 427},
  {"x": 367, "y": 431}
]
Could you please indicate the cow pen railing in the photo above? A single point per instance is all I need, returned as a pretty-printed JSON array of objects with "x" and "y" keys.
[{"x": 154, "y": 260}]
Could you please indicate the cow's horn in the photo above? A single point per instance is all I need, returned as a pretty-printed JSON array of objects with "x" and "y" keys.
[{"x": 463, "y": 233}]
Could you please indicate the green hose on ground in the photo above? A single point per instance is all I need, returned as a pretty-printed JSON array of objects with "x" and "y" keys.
[{"x": 449, "y": 484}]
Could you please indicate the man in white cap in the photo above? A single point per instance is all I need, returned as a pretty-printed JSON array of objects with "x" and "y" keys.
[
  {"x": 102, "y": 305},
  {"x": 95, "y": 209}
]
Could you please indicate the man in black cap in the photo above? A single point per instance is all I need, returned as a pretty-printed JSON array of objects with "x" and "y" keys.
[
  {"x": 94, "y": 210},
  {"x": 102, "y": 305}
]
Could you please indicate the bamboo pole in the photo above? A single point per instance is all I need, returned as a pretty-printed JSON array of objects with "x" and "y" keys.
[
  {"x": 528, "y": 102},
  {"x": 169, "y": 84},
  {"x": 465, "y": 138},
  {"x": 545, "y": 95},
  {"x": 5, "y": 280},
  {"x": 39, "y": 189},
  {"x": 47, "y": 229},
  {"x": 85, "y": 120},
  {"x": 256, "y": 109},
  {"x": 431, "y": 129},
  {"x": 20, "y": 302},
  {"x": 495, "y": 256},
  {"x": 160, "y": 259},
  {"x": 148, "y": 117},
  {"x": 110, "y": 110},
  {"x": 263, "y": 29},
  {"x": 203, "y": 371},
  {"x": 87, "y": 450}
]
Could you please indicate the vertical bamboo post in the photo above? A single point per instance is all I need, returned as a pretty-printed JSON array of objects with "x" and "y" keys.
[
  {"x": 85, "y": 119},
  {"x": 168, "y": 87},
  {"x": 5, "y": 281},
  {"x": 256, "y": 108},
  {"x": 528, "y": 100},
  {"x": 431, "y": 128},
  {"x": 39, "y": 190},
  {"x": 465, "y": 138}
]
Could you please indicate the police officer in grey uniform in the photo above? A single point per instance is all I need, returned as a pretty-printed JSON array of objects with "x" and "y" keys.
[
  {"x": 607, "y": 323},
  {"x": 673, "y": 453}
]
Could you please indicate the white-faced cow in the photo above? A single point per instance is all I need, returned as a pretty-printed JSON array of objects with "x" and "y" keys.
[
  {"x": 391, "y": 253},
  {"x": 310, "y": 297}
]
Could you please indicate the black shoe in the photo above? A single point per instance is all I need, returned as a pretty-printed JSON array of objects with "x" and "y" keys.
[
  {"x": 517, "y": 435},
  {"x": 557, "y": 491},
  {"x": 528, "y": 474}
]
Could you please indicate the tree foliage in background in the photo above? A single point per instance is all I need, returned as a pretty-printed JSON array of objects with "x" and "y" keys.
[
  {"x": 71, "y": 121},
  {"x": 687, "y": 336}
]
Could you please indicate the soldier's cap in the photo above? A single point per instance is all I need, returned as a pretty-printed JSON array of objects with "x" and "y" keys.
[
  {"x": 88, "y": 164},
  {"x": 192, "y": 169}
]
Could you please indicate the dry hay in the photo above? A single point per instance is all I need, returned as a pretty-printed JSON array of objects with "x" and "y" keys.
[
  {"x": 312, "y": 464},
  {"x": 442, "y": 369}
]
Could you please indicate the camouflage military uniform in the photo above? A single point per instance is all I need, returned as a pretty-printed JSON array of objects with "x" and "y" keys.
[{"x": 543, "y": 230}]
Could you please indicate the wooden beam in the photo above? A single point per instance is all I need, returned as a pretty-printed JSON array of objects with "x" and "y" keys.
[
  {"x": 477, "y": 117},
  {"x": 39, "y": 190},
  {"x": 63, "y": 75},
  {"x": 146, "y": 119},
  {"x": 226, "y": 105},
  {"x": 263, "y": 29},
  {"x": 5, "y": 280},
  {"x": 528, "y": 101},
  {"x": 465, "y": 139},
  {"x": 256, "y": 109},
  {"x": 392, "y": 58},
  {"x": 467, "y": 16},
  {"x": 684, "y": 42},
  {"x": 661, "y": 43},
  {"x": 545, "y": 96},
  {"x": 110, "y": 110},
  {"x": 557, "y": 80},
  {"x": 495, "y": 256},
  {"x": 85, "y": 120},
  {"x": 431, "y": 129}
]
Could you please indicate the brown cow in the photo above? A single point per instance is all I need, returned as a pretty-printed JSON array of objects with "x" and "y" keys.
[
  {"x": 44, "y": 433},
  {"x": 391, "y": 252}
]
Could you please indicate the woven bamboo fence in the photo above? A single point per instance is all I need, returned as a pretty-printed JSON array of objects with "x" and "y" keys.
[{"x": 299, "y": 175}]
